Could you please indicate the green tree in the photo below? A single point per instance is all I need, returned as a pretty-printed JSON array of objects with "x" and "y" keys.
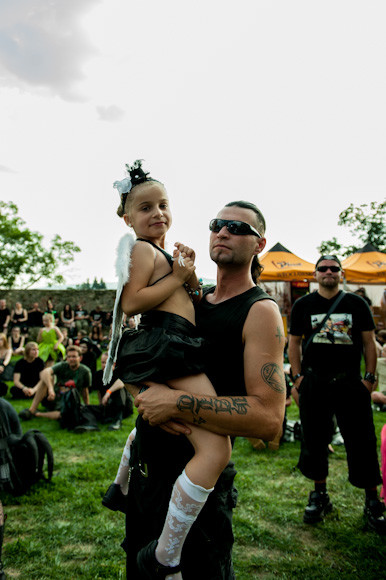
[
  {"x": 23, "y": 257},
  {"x": 366, "y": 223}
]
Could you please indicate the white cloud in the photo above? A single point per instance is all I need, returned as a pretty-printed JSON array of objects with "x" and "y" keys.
[
  {"x": 5, "y": 169},
  {"x": 43, "y": 45},
  {"x": 111, "y": 113}
]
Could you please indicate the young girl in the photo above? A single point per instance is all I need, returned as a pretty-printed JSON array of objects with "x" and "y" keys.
[
  {"x": 50, "y": 340},
  {"x": 16, "y": 341},
  {"x": 165, "y": 348}
]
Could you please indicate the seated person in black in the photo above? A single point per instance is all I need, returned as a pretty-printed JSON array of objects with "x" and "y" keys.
[
  {"x": 26, "y": 374},
  {"x": 9, "y": 424},
  {"x": 115, "y": 403},
  {"x": 88, "y": 355},
  {"x": 35, "y": 321}
]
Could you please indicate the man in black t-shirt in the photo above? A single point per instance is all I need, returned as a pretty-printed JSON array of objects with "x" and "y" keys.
[
  {"x": 57, "y": 380},
  {"x": 26, "y": 374},
  {"x": 337, "y": 328}
]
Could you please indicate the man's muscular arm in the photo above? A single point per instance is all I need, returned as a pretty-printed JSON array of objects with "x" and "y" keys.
[{"x": 258, "y": 414}]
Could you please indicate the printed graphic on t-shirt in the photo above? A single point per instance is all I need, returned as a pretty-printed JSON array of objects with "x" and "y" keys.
[{"x": 336, "y": 330}]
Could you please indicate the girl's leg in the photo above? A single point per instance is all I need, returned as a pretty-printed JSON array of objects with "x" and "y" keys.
[
  {"x": 193, "y": 486},
  {"x": 115, "y": 497},
  {"x": 122, "y": 477}
]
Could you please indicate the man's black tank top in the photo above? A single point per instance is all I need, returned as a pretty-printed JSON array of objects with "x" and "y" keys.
[{"x": 222, "y": 326}]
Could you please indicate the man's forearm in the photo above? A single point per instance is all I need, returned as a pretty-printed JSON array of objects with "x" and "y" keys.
[
  {"x": 295, "y": 356},
  {"x": 244, "y": 416},
  {"x": 85, "y": 396},
  {"x": 370, "y": 355}
]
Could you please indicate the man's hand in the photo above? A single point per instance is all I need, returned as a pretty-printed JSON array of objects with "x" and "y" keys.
[
  {"x": 369, "y": 386},
  {"x": 157, "y": 406},
  {"x": 106, "y": 398}
]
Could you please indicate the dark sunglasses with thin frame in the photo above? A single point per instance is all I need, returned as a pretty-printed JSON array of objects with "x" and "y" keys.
[
  {"x": 234, "y": 227},
  {"x": 325, "y": 268}
]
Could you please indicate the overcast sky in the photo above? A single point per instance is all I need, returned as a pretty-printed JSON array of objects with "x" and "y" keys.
[{"x": 279, "y": 103}]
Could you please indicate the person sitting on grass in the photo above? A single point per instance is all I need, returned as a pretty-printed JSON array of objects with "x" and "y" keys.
[
  {"x": 57, "y": 380},
  {"x": 27, "y": 373},
  {"x": 6, "y": 368},
  {"x": 10, "y": 425},
  {"x": 16, "y": 341},
  {"x": 50, "y": 340},
  {"x": 19, "y": 317}
]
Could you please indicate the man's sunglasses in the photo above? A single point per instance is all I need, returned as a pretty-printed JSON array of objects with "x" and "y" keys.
[
  {"x": 325, "y": 268},
  {"x": 234, "y": 227}
]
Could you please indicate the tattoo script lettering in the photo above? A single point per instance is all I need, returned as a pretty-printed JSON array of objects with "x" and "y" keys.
[
  {"x": 230, "y": 405},
  {"x": 273, "y": 376}
]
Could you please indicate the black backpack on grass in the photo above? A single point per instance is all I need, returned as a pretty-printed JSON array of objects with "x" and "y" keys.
[{"x": 22, "y": 459}]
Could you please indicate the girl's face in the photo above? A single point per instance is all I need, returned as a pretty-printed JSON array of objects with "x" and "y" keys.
[
  {"x": 18, "y": 305},
  {"x": 47, "y": 320},
  {"x": 15, "y": 331},
  {"x": 149, "y": 213}
]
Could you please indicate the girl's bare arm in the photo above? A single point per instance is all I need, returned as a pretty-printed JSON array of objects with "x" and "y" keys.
[{"x": 137, "y": 296}]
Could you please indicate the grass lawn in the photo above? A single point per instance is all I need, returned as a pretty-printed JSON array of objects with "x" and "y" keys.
[{"x": 61, "y": 531}]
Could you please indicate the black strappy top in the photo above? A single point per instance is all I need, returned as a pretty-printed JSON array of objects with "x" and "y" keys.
[{"x": 167, "y": 256}]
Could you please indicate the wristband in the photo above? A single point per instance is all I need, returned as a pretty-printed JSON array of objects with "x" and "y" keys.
[
  {"x": 369, "y": 377},
  {"x": 143, "y": 389},
  {"x": 108, "y": 391},
  {"x": 296, "y": 377}
]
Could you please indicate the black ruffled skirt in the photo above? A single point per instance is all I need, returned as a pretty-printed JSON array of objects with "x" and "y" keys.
[{"x": 165, "y": 346}]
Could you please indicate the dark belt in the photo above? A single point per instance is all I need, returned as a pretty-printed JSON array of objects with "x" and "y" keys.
[{"x": 335, "y": 378}]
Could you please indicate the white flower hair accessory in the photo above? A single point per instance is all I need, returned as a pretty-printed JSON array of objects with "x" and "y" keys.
[{"x": 123, "y": 186}]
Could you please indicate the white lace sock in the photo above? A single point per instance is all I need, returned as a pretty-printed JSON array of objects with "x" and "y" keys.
[
  {"x": 122, "y": 477},
  {"x": 185, "y": 504}
]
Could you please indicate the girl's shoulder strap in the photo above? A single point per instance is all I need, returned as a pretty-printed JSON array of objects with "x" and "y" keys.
[{"x": 167, "y": 256}]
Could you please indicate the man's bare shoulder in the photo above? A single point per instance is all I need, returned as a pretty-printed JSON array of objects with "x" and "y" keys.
[
  {"x": 263, "y": 315},
  {"x": 265, "y": 307}
]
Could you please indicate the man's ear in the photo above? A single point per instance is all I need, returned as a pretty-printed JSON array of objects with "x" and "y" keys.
[{"x": 260, "y": 245}]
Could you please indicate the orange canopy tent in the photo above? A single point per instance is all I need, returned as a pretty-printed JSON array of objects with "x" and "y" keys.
[
  {"x": 367, "y": 266},
  {"x": 281, "y": 264}
]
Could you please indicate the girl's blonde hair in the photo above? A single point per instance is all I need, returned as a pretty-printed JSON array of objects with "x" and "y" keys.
[{"x": 5, "y": 340}]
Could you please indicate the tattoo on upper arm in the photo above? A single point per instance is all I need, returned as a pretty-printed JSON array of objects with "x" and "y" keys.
[
  {"x": 273, "y": 376},
  {"x": 279, "y": 334},
  {"x": 230, "y": 405}
]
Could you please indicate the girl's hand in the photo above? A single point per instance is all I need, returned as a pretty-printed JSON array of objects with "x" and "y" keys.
[
  {"x": 185, "y": 251},
  {"x": 183, "y": 272}
]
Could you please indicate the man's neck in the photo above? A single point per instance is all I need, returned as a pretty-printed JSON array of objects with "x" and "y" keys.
[
  {"x": 74, "y": 368},
  {"x": 231, "y": 283},
  {"x": 328, "y": 292}
]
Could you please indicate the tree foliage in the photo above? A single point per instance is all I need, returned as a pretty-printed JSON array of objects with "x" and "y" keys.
[
  {"x": 24, "y": 258},
  {"x": 94, "y": 286},
  {"x": 366, "y": 223}
]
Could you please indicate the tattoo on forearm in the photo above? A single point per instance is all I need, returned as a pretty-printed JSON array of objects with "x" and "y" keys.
[
  {"x": 273, "y": 376},
  {"x": 230, "y": 405},
  {"x": 279, "y": 334}
]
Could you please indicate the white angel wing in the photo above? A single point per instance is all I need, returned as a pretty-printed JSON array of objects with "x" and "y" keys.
[{"x": 122, "y": 267}]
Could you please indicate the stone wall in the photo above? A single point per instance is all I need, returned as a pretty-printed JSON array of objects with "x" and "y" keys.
[{"x": 88, "y": 298}]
